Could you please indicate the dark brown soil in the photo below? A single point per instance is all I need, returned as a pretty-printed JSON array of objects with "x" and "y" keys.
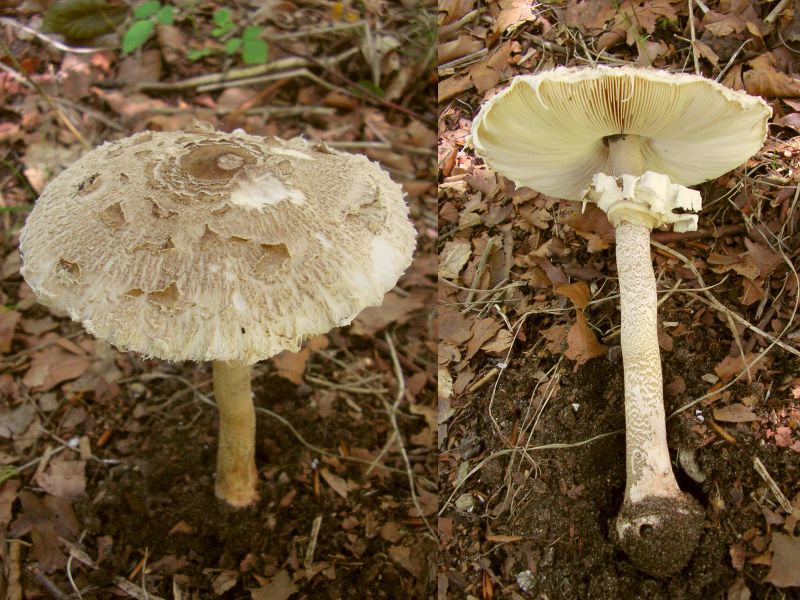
[
  {"x": 566, "y": 501},
  {"x": 164, "y": 479}
]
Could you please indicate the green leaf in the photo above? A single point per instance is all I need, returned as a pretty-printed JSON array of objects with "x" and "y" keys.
[
  {"x": 146, "y": 9},
  {"x": 232, "y": 45},
  {"x": 137, "y": 35},
  {"x": 198, "y": 54},
  {"x": 254, "y": 52},
  {"x": 366, "y": 84},
  {"x": 80, "y": 20},
  {"x": 166, "y": 15},
  {"x": 222, "y": 17},
  {"x": 252, "y": 32}
]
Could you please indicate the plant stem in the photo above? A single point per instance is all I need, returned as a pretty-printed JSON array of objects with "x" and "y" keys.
[{"x": 237, "y": 477}]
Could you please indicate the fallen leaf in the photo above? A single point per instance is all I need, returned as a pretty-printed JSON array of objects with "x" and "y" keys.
[
  {"x": 785, "y": 570},
  {"x": 52, "y": 366},
  {"x": 279, "y": 587},
  {"x": 463, "y": 45},
  {"x": 453, "y": 86},
  {"x": 395, "y": 309},
  {"x": 292, "y": 365},
  {"x": 8, "y": 323},
  {"x": 453, "y": 257},
  {"x": 338, "y": 484},
  {"x": 581, "y": 341},
  {"x": 224, "y": 581},
  {"x": 735, "y": 413},
  {"x": 482, "y": 331},
  {"x": 578, "y": 292},
  {"x": 63, "y": 478},
  {"x": 513, "y": 14},
  {"x": 763, "y": 79},
  {"x": 500, "y": 343},
  {"x": 403, "y": 556}
]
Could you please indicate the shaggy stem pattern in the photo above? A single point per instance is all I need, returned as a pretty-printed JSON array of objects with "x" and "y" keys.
[
  {"x": 658, "y": 525},
  {"x": 237, "y": 477}
]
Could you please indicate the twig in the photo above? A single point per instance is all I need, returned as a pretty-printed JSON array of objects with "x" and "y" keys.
[
  {"x": 668, "y": 237},
  {"x": 694, "y": 38},
  {"x": 776, "y": 490},
  {"x": 130, "y": 588},
  {"x": 44, "y": 582},
  {"x": 244, "y": 72},
  {"x": 51, "y": 41},
  {"x": 308, "y": 560},
  {"x": 392, "y": 411},
  {"x": 775, "y": 12},
  {"x": 14, "y": 590}
]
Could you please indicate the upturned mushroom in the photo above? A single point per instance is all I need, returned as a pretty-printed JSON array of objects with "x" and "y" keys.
[
  {"x": 221, "y": 247},
  {"x": 629, "y": 139}
]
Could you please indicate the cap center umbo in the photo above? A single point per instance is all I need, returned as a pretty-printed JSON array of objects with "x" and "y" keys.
[{"x": 216, "y": 161}]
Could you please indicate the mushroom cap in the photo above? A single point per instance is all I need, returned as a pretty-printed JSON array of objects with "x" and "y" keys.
[
  {"x": 200, "y": 245},
  {"x": 547, "y": 131}
]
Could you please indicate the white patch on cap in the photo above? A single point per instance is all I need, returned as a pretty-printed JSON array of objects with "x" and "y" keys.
[
  {"x": 326, "y": 243},
  {"x": 238, "y": 302},
  {"x": 290, "y": 152},
  {"x": 265, "y": 191},
  {"x": 384, "y": 262}
]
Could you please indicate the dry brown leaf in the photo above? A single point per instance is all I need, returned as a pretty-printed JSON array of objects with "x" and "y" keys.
[
  {"x": 63, "y": 478},
  {"x": 581, "y": 341},
  {"x": 8, "y": 494},
  {"x": 391, "y": 532},
  {"x": 51, "y": 366},
  {"x": 8, "y": 323},
  {"x": 452, "y": 10},
  {"x": 292, "y": 365},
  {"x": 735, "y": 413},
  {"x": 738, "y": 590},
  {"x": 395, "y": 309},
  {"x": 411, "y": 562},
  {"x": 703, "y": 50},
  {"x": 280, "y": 587},
  {"x": 453, "y": 86},
  {"x": 785, "y": 570},
  {"x": 463, "y": 45},
  {"x": 732, "y": 366},
  {"x": 763, "y": 79},
  {"x": 453, "y": 257},
  {"x": 224, "y": 581},
  {"x": 338, "y": 484},
  {"x": 512, "y": 14},
  {"x": 482, "y": 331},
  {"x": 555, "y": 336},
  {"x": 500, "y": 343},
  {"x": 590, "y": 16},
  {"x": 578, "y": 292},
  {"x": 488, "y": 73}
]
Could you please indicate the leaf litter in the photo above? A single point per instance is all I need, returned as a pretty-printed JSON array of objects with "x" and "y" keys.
[
  {"x": 106, "y": 458},
  {"x": 539, "y": 517}
]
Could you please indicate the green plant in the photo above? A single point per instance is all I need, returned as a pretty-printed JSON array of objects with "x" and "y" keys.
[
  {"x": 147, "y": 15},
  {"x": 253, "y": 49}
]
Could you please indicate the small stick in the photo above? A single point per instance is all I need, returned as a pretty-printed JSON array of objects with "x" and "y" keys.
[
  {"x": 694, "y": 39},
  {"x": 14, "y": 572},
  {"x": 721, "y": 431},
  {"x": 782, "y": 500},
  {"x": 312, "y": 544},
  {"x": 669, "y": 237},
  {"x": 44, "y": 582}
]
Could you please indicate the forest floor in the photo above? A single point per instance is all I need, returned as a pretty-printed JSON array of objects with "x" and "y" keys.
[
  {"x": 106, "y": 458},
  {"x": 532, "y": 453}
]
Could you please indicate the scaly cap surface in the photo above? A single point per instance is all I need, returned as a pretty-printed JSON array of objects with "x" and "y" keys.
[{"x": 215, "y": 246}]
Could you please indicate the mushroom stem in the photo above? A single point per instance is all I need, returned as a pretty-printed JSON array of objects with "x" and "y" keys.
[
  {"x": 237, "y": 477},
  {"x": 658, "y": 525},
  {"x": 649, "y": 470}
]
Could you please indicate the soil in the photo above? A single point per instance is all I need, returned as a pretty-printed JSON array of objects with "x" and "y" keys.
[
  {"x": 565, "y": 500},
  {"x": 159, "y": 500}
]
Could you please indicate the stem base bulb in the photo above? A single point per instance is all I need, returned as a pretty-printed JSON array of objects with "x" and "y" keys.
[{"x": 660, "y": 533}]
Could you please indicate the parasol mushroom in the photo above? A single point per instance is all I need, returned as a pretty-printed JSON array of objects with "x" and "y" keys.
[
  {"x": 210, "y": 246},
  {"x": 629, "y": 139}
]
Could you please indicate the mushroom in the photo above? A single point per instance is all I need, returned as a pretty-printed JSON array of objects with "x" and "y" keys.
[
  {"x": 210, "y": 246},
  {"x": 629, "y": 139}
]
